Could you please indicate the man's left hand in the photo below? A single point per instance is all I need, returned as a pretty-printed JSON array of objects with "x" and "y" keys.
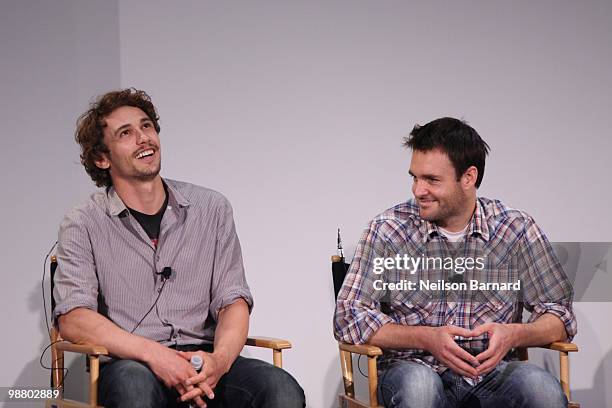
[
  {"x": 501, "y": 340},
  {"x": 205, "y": 381}
]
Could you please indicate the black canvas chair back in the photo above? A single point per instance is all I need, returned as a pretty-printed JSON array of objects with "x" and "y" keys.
[
  {"x": 339, "y": 270},
  {"x": 52, "y": 268}
]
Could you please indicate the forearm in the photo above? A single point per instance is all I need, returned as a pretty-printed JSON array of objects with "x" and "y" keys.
[
  {"x": 395, "y": 336},
  {"x": 84, "y": 326},
  {"x": 547, "y": 329},
  {"x": 231, "y": 333}
]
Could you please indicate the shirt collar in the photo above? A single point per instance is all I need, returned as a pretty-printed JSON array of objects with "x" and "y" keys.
[
  {"x": 477, "y": 225},
  {"x": 176, "y": 198},
  {"x": 116, "y": 206}
]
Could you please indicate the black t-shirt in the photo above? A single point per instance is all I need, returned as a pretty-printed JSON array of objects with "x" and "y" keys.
[{"x": 151, "y": 223}]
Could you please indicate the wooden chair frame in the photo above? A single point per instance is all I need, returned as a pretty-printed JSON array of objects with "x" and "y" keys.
[
  {"x": 94, "y": 352},
  {"x": 348, "y": 400}
]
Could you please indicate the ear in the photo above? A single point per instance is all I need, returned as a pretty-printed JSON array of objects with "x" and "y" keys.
[
  {"x": 469, "y": 177},
  {"x": 103, "y": 162}
]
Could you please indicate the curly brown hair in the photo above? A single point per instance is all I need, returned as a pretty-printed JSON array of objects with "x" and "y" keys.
[{"x": 90, "y": 128}]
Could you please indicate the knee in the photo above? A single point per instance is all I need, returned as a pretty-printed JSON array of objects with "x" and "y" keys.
[
  {"x": 128, "y": 383},
  {"x": 411, "y": 385},
  {"x": 538, "y": 388},
  {"x": 281, "y": 390}
]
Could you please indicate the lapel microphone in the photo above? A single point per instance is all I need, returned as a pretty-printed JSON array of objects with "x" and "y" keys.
[{"x": 165, "y": 273}]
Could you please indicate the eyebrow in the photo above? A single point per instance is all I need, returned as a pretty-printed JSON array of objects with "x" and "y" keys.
[
  {"x": 426, "y": 176},
  {"x": 127, "y": 125}
]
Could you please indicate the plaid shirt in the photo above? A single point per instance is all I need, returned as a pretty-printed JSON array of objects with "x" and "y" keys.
[{"x": 515, "y": 249}]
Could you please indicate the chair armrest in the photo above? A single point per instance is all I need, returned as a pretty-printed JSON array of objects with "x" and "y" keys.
[
  {"x": 363, "y": 349},
  {"x": 268, "y": 342},
  {"x": 81, "y": 348},
  {"x": 561, "y": 346}
]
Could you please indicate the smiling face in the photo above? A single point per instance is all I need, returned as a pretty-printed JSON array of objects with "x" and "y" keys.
[
  {"x": 133, "y": 144},
  {"x": 442, "y": 198}
]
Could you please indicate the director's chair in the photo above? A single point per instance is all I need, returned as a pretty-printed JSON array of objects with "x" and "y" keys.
[
  {"x": 349, "y": 400},
  {"x": 94, "y": 352}
]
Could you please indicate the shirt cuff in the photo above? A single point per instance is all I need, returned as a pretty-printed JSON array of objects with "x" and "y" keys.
[
  {"x": 563, "y": 312},
  {"x": 356, "y": 325},
  {"x": 67, "y": 307},
  {"x": 229, "y": 298}
]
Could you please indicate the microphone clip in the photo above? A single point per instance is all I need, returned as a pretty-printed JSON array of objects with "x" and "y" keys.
[{"x": 166, "y": 272}]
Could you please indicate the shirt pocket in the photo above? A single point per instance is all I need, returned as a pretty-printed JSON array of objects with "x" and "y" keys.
[
  {"x": 491, "y": 306},
  {"x": 417, "y": 307}
]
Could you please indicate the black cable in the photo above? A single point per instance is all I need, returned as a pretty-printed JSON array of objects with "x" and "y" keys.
[
  {"x": 42, "y": 355},
  {"x": 359, "y": 366},
  {"x": 60, "y": 385},
  {"x": 151, "y": 309},
  {"x": 43, "y": 286},
  {"x": 47, "y": 318}
]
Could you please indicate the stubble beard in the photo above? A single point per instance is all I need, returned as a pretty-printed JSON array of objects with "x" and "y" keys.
[
  {"x": 449, "y": 209},
  {"x": 149, "y": 174}
]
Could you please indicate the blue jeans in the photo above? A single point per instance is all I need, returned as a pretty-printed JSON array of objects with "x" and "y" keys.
[
  {"x": 511, "y": 384},
  {"x": 249, "y": 383}
]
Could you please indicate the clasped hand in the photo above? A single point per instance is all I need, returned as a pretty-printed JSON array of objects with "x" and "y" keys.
[
  {"x": 206, "y": 380},
  {"x": 174, "y": 370},
  {"x": 444, "y": 348}
]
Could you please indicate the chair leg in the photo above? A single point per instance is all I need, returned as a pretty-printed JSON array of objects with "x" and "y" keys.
[
  {"x": 94, "y": 374},
  {"x": 277, "y": 358},
  {"x": 522, "y": 353},
  {"x": 564, "y": 372},
  {"x": 373, "y": 380},
  {"x": 57, "y": 370},
  {"x": 57, "y": 362},
  {"x": 346, "y": 363}
]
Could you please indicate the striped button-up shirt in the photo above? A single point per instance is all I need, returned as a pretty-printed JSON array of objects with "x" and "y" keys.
[
  {"x": 107, "y": 263},
  {"x": 509, "y": 244}
]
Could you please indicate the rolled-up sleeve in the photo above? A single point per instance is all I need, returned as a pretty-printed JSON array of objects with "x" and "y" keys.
[
  {"x": 75, "y": 283},
  {"x": 358, "y": 312},
  {"x": 229, "y": 282},
  {"x": 546, "y": 286}
]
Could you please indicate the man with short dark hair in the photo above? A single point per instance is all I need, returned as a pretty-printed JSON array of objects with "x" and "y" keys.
[
  {"x": 151, "y": 269},
  {"x": 439, "y": 283}
]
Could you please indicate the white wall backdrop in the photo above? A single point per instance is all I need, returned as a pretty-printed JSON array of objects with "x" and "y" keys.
[
  {"x": 53, "y": 56},
  {"x": 296, "y": 112}
]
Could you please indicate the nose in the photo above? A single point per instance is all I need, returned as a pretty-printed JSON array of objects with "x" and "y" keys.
[
  {"x": 142, "y": 137},
  {"x": 419, "y": 189}
]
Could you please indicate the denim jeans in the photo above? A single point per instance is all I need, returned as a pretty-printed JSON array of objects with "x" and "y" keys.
[
  {"x": 512, "y": 385},
  {"x": 249, "y": 383}
]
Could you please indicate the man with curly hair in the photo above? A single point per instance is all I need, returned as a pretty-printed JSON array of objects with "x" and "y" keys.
[{"x": 151, "y": 269}]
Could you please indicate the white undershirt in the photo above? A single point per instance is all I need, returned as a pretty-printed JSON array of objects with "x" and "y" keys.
[{"x": 454, "y": 236}]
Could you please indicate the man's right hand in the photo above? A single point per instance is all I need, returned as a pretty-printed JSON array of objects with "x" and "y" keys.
[
  {"x": 172, "y": 369},
  {"x": 168, "y": 365},
  {"x": 443, "y": 347}
]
